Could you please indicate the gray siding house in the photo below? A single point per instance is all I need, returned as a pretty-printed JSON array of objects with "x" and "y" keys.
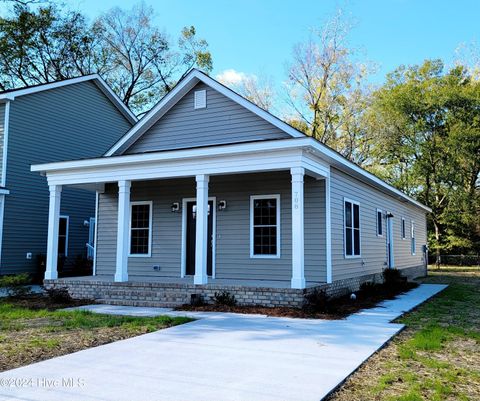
[
  {"x": 74, "y": 118},
  {"x": 210, "y": 192}
]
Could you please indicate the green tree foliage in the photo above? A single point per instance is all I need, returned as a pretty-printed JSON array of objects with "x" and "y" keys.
[
  {"x": 46, "y": 43},
  {"x": 426, "y": 124},
  {"x": 326, "y": 91}
]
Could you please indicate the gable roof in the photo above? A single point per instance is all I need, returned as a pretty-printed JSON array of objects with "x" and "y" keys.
[
  {"x": 178, "y": 92},
  {"x": 11, "y": 94}
]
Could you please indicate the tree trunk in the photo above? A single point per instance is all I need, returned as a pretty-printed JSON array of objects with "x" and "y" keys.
[{"x": 437, "y": 247}]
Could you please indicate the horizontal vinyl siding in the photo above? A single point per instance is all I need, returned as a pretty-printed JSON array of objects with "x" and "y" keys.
[
  {"x": 2, "y": 134},
  {"x": 232, "y": 227},
  {"x": 373, "y": 248},
  {"x": 70, "y": 122},
  {"x": 222, "y": 121},
  {"x": 315, "y": 255}
]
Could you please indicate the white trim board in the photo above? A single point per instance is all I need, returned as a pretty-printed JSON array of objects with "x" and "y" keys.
[
  {"x": 315, "y": 155},
  {"x": 353, "y": 255},
  {"x": 183, "y": 262},
  {"x": 181, "y": 89},
  {"x": 2, "y": 213},
  {"x": 97, "y": 79},
  {"x": 252, "y": 200},
  {"x": 3, "y": 181},
  {"x": 150, "y": 227}
]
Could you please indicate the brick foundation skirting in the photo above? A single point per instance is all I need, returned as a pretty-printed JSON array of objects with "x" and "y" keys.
[{"x": 176, "y": 294}]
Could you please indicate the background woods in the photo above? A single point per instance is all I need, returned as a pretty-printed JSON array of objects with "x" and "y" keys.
[{"x": 419, "y": 130}]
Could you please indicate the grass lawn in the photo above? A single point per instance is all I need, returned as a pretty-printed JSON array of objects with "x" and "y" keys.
[
  {"x": 29, "y": 334},
  {"x": 437, "y": 356}
]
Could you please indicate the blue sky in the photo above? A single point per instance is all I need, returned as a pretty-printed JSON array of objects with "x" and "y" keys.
[{"x": 256, "y": 37}]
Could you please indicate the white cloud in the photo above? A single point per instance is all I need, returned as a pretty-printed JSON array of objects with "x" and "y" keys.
[{"x": 233, "y": 77}]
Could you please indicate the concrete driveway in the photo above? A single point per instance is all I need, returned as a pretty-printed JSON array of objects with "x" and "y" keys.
[{"x": 219, "y": 357}]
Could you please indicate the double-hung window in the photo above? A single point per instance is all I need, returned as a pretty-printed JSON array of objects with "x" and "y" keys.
[
  {"x": 63, "y": 235},
  {"x": 352, "y": 228},
  {"x": 265, "y": 226},
  {"x": 412, "y": 235},
  {"x": 140, "y": 228},
  {"x": 379, "y": 223}
]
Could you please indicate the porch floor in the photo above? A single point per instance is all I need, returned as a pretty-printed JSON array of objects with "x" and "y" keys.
[{"x": 189, "y": 280}]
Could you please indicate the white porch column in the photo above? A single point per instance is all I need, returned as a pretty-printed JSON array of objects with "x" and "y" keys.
[
  {"x": 201, "y": 238},
  {"x": 121, "y": 271},
  {"x": 298, "y": 255},
  {"x": 328, "y": 231},
  {"x": 51, "y": 272}
]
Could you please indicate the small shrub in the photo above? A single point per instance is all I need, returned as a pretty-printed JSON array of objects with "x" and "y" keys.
[
  {"x": 369, "y": 288},
  {"x": 197, "y": 300},
  {"x": 59, "y": 295},
  {"x": 392, "y": 276},
  {"x": 17, "y": 285},
  {"x": 224, "y": 298},
  {"x": 317, "y": 301}
]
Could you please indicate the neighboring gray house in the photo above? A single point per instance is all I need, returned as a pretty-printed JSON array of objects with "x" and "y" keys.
[
  {"x": 209, "y": 192},
  {"x": 73, "y": 118}
]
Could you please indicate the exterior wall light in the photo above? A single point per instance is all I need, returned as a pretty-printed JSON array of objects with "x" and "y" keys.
[
  {"x": 175, "y": 207},
  {"x": 222, "y": 205}
]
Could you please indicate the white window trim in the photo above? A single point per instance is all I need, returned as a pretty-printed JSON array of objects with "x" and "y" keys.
[
  {"x": 252, "y": 199},
  {"x": 413, "y": 238},
  {"x": 403, "y": 229},
  {"x": 62, "y": 216},
  {"x": 353, "y": 202},
  {"x": 381, "y": 222},
  {"x": 150, "y": 220}
]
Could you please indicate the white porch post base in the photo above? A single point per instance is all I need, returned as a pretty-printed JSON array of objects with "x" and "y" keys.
[
  {"x": 121, "y": 270},
  {"x": 298, "y": 255},
  {"x": 51, "y": 272},
  {"x": 201, "y": 238}
]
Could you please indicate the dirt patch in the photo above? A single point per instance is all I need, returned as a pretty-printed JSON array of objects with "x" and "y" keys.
[
  {"x": 32, "y": 331},
  {"x": 39, "y": 301},
  {"x": 337, "y": 308},
  {"x": 409, "y": 369},
  {"x": 29, "y": 346}
]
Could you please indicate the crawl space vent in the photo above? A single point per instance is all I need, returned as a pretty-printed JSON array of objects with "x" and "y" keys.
[{"x": 200, "y": 101}]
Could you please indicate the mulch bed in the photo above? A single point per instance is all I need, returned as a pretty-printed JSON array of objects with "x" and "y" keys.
[{"x": 337, "y": 308}]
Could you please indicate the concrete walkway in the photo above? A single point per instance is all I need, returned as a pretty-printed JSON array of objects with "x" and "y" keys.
[{"x": 219, "y": 357}]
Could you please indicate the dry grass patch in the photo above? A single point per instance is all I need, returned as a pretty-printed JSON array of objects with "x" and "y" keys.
[
  {"x": 437, "y": 356},
  {"x": 30, "y": 333}
]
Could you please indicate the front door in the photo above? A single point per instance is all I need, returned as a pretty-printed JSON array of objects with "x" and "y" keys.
[{"x": 191, "y": 235}]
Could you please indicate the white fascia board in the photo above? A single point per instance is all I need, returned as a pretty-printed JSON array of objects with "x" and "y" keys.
[
  {"x": 40, "y": 88},
  {"x": 156, "y": 113},
  {"x": 101, "y": 84},
  {"x": 226, "y": 164},
  {"x": 213, "y": 151},
  {"x": 340, "y": 162},
  {"x": 180, "y": 90},
  {"x": 317, "y": 160},
  {"x": 113, "y": 97}
]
